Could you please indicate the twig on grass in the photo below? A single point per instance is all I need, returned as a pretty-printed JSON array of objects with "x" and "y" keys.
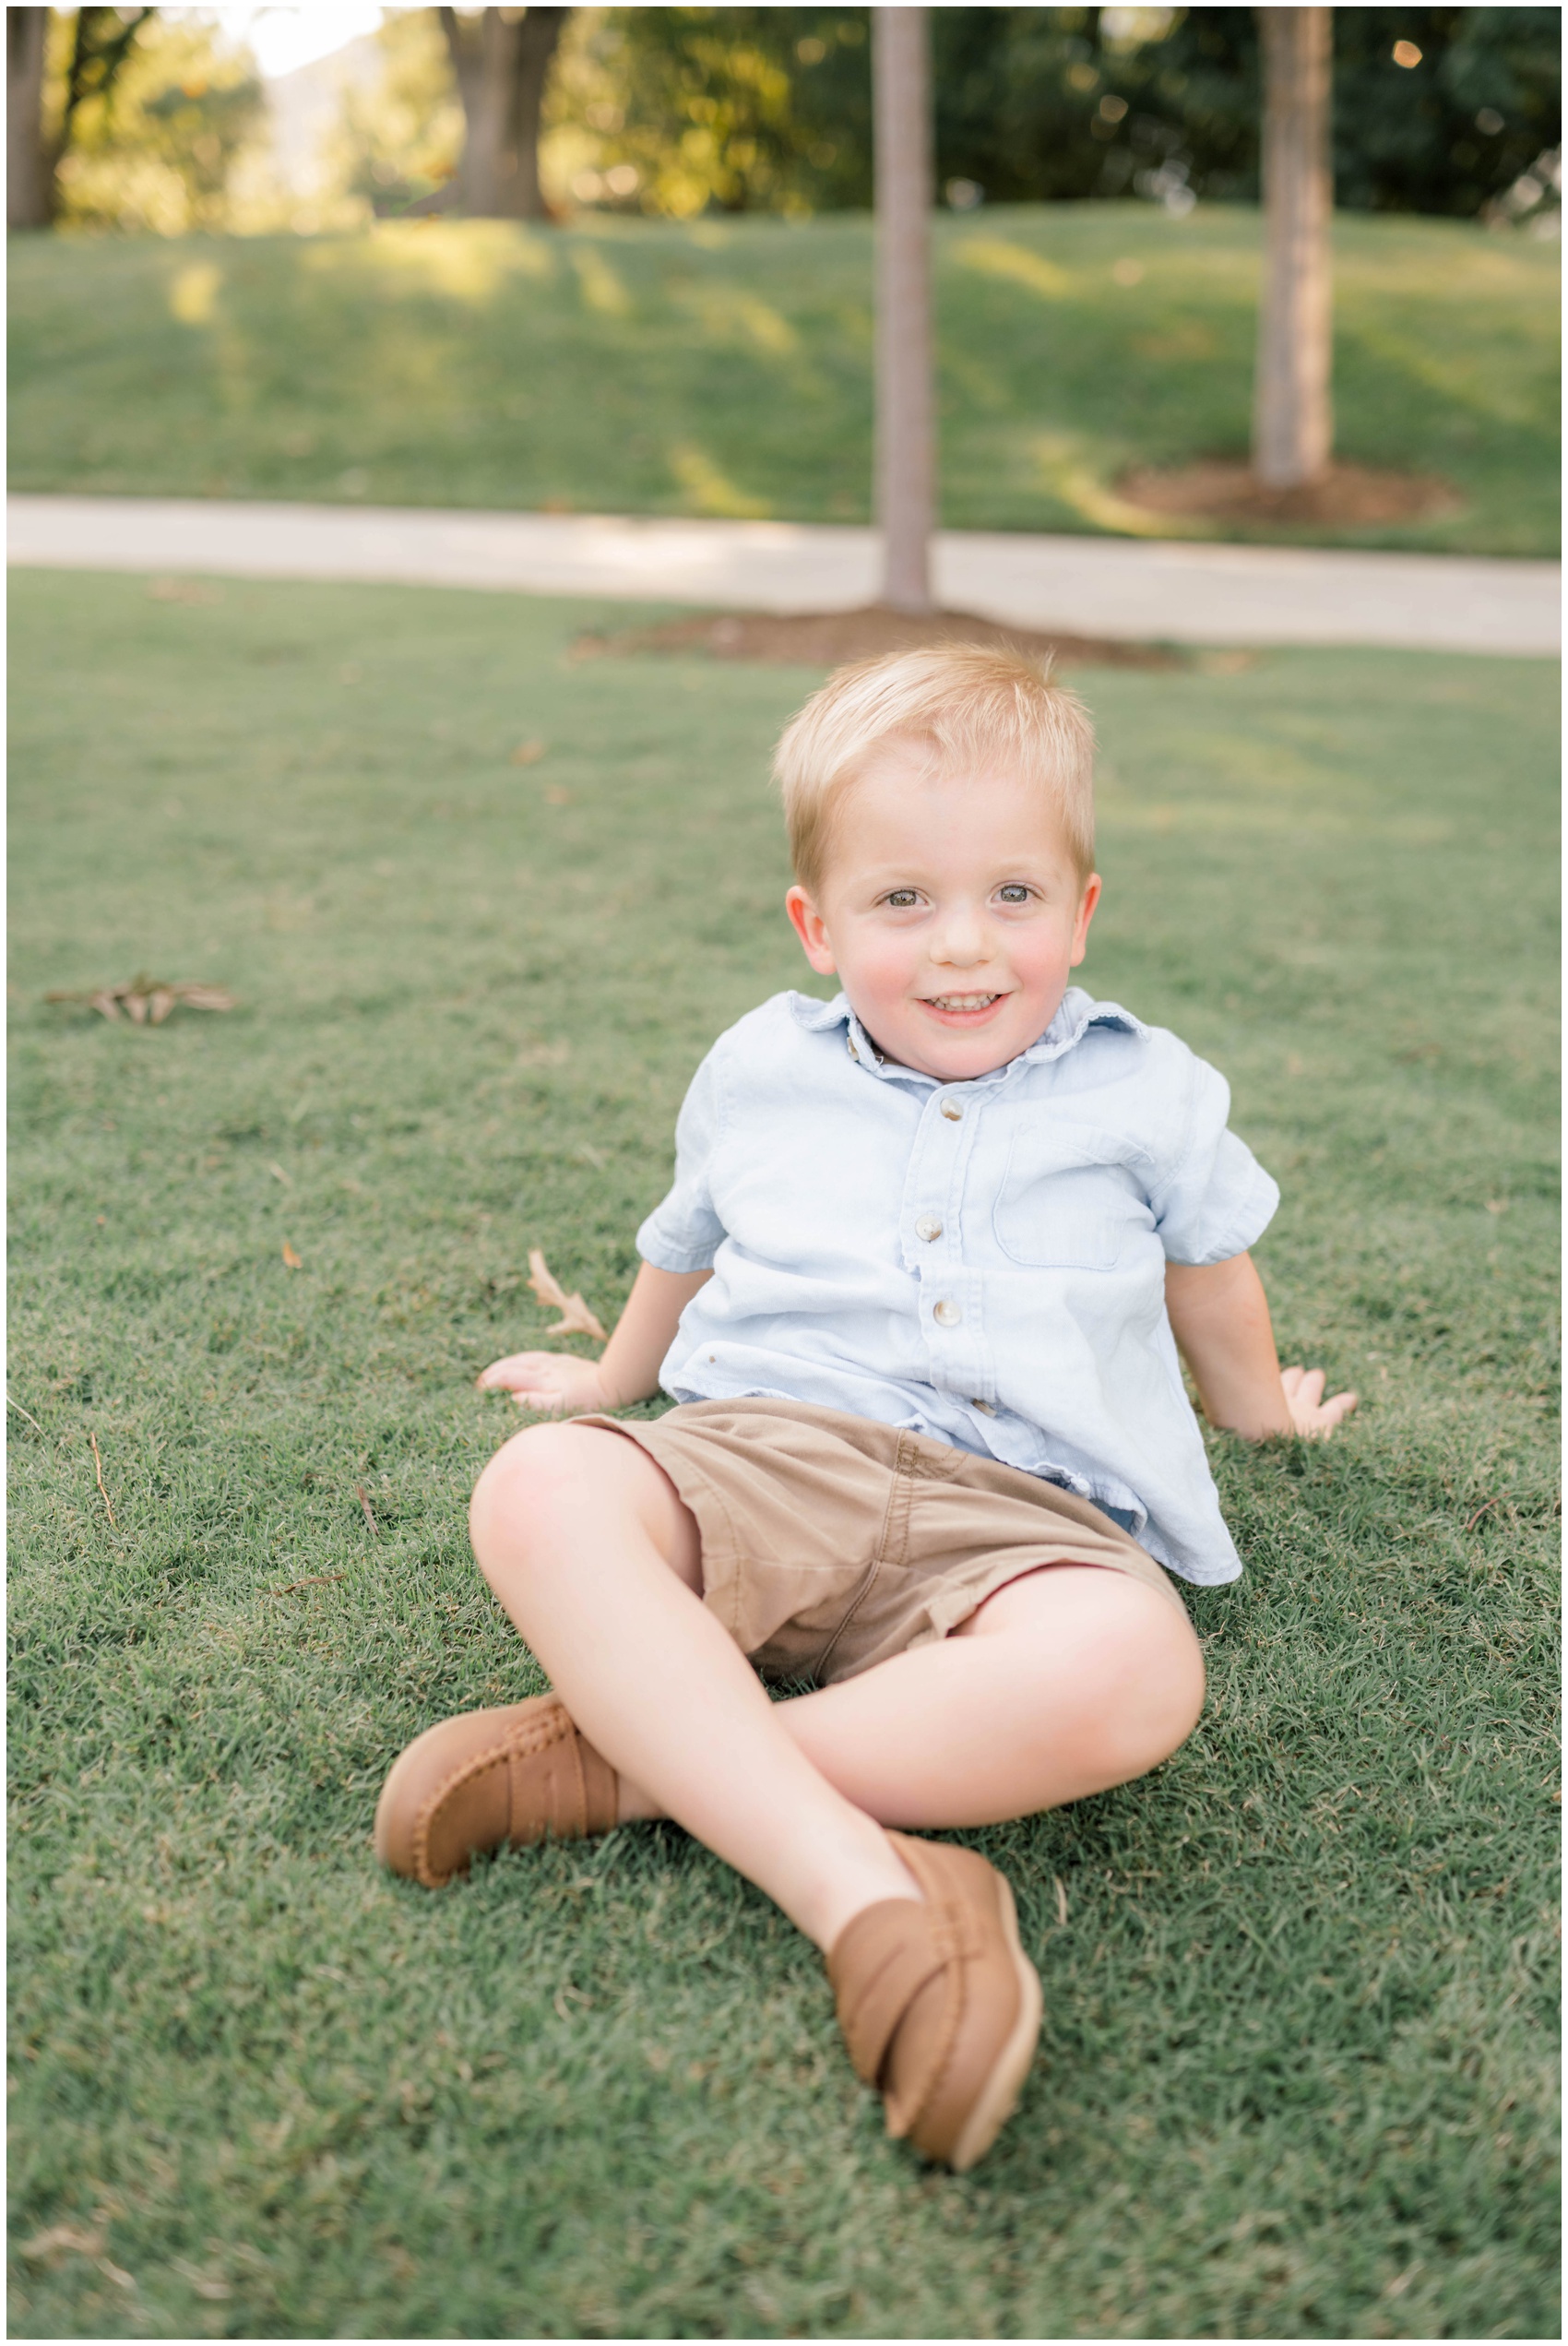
[
  {"x": 98, "y": 1469},
  {"x": 1479, "y": 1513},
  {"x": 11, "y": 1404},
  {"x": 313, "y": 1580},
  {"x": 364, "y": 1503}
]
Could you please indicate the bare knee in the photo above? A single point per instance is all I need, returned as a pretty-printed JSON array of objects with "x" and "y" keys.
[
  {"x": 1159, "y": 1692},
  {"x": 1133, "y": 1686},
  {"x": 529, "y": 1486},
  {"x": 549, "y": 1492}
]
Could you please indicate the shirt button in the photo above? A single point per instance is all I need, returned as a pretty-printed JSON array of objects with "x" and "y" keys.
[
  {"x": 951, "y": 1111},
  {"x": 947, "y": 1313},
  {"x": 928, "y": 1228}
]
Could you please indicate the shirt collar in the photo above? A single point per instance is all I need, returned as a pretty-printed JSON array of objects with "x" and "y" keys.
[{"x": 1077, "y": 1013}]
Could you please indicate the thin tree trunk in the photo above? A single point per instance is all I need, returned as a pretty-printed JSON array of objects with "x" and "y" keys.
[
  {"x": 502, "y": 66},
  {"x": 540, "y": 34},
  {"x": 1292, "y": 418},
  {"x": 906, "y": 439},
  {"x": 29, "y": 173}
]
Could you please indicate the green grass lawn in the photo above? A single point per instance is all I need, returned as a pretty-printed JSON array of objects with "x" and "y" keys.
[
  {"x": 1295, "y": 2073},
  {"x": 722, "y": 368}
]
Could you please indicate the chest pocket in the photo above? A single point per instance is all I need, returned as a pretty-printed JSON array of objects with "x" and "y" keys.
[{"x": 1072, "y": 1197}]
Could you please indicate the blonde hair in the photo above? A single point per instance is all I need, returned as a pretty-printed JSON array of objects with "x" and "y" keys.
[{"x": 967, "y": 704}]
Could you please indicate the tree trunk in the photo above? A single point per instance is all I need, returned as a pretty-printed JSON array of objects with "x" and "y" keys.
[
  {"x": 29, "y": 173},
  {"x": 906, "y": 440},
  {"x": 502, "y": 64},
  {"x": 1293, "y": 421}
]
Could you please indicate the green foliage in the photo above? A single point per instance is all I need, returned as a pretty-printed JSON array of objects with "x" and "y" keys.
[
  {"x": 768, "y": 109},
  {"x": 403, "y": 139},
  {"x": 729, "y": 109},
  {"x": 1294, "y": 2074},
  {"x": 725, "y": 367},
  {"x": 1062, "y": 102},
  {"x": 156, "y": 146}
]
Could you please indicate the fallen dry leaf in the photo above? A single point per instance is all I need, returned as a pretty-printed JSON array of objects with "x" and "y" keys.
[
  {"x": 146, "y": 1000},
  {"x": 278, "y": 1174},
  {"x": 62, "y": 2240},
  {"x": 528, "y": 753},
  {"x": 291, "y": 1258},
  {"x": 576, "y": 1318}
]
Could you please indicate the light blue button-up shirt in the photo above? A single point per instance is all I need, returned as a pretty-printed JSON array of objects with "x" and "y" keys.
[{"x": 983, "y": 1262}]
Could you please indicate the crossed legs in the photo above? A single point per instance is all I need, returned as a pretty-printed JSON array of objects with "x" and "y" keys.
[{"x": 1063, "y": 1684}]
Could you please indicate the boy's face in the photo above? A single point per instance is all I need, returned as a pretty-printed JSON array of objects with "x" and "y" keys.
[{"x": 951, "y": 912}]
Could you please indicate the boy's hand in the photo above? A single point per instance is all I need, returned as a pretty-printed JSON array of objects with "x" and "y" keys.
[
  {"x": 550, "y": 1383},
  {"x": 1312, "y": 1416}
]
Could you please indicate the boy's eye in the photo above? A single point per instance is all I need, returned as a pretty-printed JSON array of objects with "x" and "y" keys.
[
  {"x": 902, "y": 899},
  {"x": 1014, "y": 893}
]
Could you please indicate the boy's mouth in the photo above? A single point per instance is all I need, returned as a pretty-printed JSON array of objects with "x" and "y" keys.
[{"x": 960, "y": 1005}]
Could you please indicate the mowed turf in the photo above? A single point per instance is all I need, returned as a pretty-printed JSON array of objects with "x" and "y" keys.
[
  {"x": 1295, "y": 2074},
  {"x": 726, "y": 367}
]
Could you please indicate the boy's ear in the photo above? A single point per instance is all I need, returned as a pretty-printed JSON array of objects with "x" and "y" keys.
[
  {"x": 1087, "y": 903},
  {"x": 811, "y": 929}
]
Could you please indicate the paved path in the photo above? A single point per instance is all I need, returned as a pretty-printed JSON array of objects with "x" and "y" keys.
[{"x": 1137, "y": 589}]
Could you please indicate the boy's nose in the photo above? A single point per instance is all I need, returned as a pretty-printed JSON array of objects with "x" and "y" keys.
[{"x": 961, "y": 942}]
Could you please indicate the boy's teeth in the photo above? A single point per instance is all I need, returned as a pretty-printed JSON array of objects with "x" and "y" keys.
[{"x": 962, "y": 1000}]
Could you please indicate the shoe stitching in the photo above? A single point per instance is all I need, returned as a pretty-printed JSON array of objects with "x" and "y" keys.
[{"x": 525, "y": 1741}]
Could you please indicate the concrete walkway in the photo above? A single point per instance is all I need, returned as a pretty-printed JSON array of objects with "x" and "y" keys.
[{"x": 1137, "y": 589}]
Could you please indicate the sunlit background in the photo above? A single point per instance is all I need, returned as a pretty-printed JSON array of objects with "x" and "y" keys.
[{"x": 252, "y": 120}]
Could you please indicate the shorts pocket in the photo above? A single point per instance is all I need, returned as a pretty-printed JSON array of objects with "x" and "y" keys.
[{"x": 1072, "y": 1197}]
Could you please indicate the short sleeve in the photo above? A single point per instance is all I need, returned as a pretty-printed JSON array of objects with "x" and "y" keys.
[
  {"x": 1219, "y": 1200},
  {"x": 684, "y": 1233}
]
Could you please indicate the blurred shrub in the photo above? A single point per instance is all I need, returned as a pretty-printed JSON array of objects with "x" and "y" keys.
[
  {"x": 157, "y": 152},
  {"x": 678, "y": 110}
]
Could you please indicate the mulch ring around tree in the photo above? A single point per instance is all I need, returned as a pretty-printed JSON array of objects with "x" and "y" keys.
[
  {"x": 1225, "y": 489},
  {"x": 829, "y": 638}
]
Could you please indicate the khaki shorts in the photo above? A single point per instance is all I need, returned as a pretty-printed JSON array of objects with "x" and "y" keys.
[{"x": 830, "y": 1542}]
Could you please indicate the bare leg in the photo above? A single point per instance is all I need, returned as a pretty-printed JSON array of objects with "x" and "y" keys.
[
  {"x": 586, "y": 1543},
  {"x": 1063, "y": 1684}
]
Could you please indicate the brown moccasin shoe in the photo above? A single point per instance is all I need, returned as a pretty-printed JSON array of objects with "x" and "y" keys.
[
  {"x": 938, "y": 2005},
  {"x": 490, "y": 1778}
]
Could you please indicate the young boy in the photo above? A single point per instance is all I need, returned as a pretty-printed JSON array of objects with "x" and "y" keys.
[{"x": 918, "y": 1291}]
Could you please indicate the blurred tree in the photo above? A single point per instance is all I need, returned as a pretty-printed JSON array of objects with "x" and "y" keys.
[
  {"x": 1292, "y": 431},
  {"x": 500, "y": 59},
  {"x": 152, "y": 143},
  {"x": 746, "y": 109},
  {"x": 100, "y": 46},
  {"x": 27, "y": 176},
  {"x": 1435, "y": 109},
  {"x": 678, "y": 110},
  {"x": 399, "y": 142},
  {"x": 1451, "y": 128}
]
